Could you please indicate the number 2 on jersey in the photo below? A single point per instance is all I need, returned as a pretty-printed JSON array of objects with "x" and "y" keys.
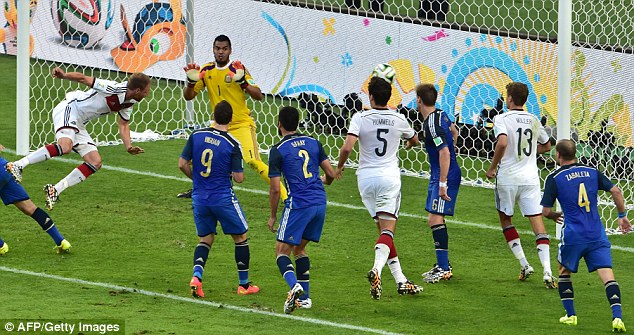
[
  {"x": 304, "y": 154},
  {"x": 205, "y": 160},
  {"x": 583, "y": 197}
]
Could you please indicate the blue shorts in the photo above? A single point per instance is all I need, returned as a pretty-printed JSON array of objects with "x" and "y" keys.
[
  {"x": 301, "y": 224},
  {"x": 597, "y": 255},
  {"x": 10, "y": 191},
  {"x": 231, "y": 217},
  {"x": 435, "y": 204}
]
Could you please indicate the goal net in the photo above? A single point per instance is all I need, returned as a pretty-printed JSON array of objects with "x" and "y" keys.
[{"x": 318, "y": 55}]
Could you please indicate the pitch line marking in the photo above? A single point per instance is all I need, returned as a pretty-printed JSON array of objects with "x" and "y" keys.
[
  {"x": 330, "y": 203},
  {"x": 196, "y": 301}
]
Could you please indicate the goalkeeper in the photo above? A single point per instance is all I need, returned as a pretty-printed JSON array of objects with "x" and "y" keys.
[{"x": 227, "y": 80}]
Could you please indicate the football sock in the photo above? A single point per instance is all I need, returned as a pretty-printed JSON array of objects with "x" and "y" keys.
[
  {"x": 567, "y": 294},
  {"x": 287, "y": 270},
  {"x": 543, "y": 251},
  {"x": 243, "y": 256},
  {"x": 200, "y": 258},
  {"x": 45, "y": 221},
  {"x": 1, "y": 242},
  {"x": 613, "y": 292},
  {"x": 75, "y": 177},
  {"x": 441, "y": 242},
  {"x": 263, "y": 170},
  {"x": 395, "y": 268},
  {"x": 303, "y": 274},
  {"x": 513, "y": 240},
  {"x": 382, "y": 249},
  {"x": 40, "y": 155}
]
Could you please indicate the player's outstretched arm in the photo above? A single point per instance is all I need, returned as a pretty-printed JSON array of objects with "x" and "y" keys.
[
  {"x": 190, "y": 69},
  {"x": 185, "y": 166},
  {"x": 73, "y": 76},
  {"x": 124, "y": 133},
  {"x": 1, "y": 148},
  {"x": 331, "y": 175},
  {"x": 412, "y": 142}
]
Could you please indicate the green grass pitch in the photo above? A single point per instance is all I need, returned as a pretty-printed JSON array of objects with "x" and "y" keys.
[{"x": 129, "y": 230}]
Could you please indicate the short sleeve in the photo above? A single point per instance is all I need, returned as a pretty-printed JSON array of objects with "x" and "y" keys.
[
  {"x": 236, "y": 159},
  {"x": 499, "y": 128},
  {"x": 249, "y": 78},
  {"x": 407, "y": 130},
  {"x": 199, "y": 86},
  {"x": 550, "y": 192},
  {"x": 604, "y": 182},
  {"x": 275, "y": 163},
  {"x": 125, "y": 114},
  {"x": 187, "y": 150},
  {"x": 109, "y": 87},
  {"x": 436, "y": 132},
  {"x": 355, "y": 125},
  {"x": 542, "y": 136},
  {"x": 322, "y": 153}
]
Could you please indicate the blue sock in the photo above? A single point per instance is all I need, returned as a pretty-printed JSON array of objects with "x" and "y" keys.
[
  {"x": 287, "y": 270},
  {"x": 200, "y": 258},
  {"x": 441, "y": 242},
  {"x": 1, "y": 242},
  {"x": 243, "y": 256},
  {"x": 47, "y": 225},
  {"x": 303, "y": 274},
  {"x": 567, "y": 294},
  {"x": 613, "y": 292}
]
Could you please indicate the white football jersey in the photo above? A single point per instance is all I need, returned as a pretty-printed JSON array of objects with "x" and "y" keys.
[
  {"x": 104, "y": 97},
  {"x": 519, "y": 163},
  {"x": 379, "y": 133}
]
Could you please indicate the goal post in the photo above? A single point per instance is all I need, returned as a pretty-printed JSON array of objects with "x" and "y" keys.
[
  {"x": 23, "y": 90},
  {"x": 564, "y": 54}
]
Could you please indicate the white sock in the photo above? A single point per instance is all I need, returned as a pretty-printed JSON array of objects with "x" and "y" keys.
[
  {"x": 381, "y": 253},
  {"x": 395, "y": 268},
  {"x": 36, "y": 156},
  {"x": 73, "y": 178},
  {"x": 516, "y": 248},
  {"x": 543, "y": 251}
]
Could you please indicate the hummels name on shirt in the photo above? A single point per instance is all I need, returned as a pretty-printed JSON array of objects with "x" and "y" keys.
[{"x": 383, "y": 122}]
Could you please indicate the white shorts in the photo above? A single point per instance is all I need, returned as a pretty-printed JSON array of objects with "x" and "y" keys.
[
  {"x": 528, "y": 198},
  {"x": 67, "y": 124},
  {"x": 381, "y": 195}
]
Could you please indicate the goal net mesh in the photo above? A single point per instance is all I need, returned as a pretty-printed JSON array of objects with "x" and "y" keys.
[{"x": 318, "y": 55}]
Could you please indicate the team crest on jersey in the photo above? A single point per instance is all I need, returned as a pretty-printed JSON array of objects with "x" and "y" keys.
[{"x": 228, "y": 79}]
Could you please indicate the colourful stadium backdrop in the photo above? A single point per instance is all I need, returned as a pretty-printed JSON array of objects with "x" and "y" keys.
[{"x": 291, "y": 50}]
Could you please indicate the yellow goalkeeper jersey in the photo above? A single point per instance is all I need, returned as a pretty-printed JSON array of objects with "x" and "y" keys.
[{"x": 220, "y": 87}]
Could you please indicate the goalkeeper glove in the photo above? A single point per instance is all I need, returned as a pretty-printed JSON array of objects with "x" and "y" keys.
[{"x": 237, "y": 72}]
